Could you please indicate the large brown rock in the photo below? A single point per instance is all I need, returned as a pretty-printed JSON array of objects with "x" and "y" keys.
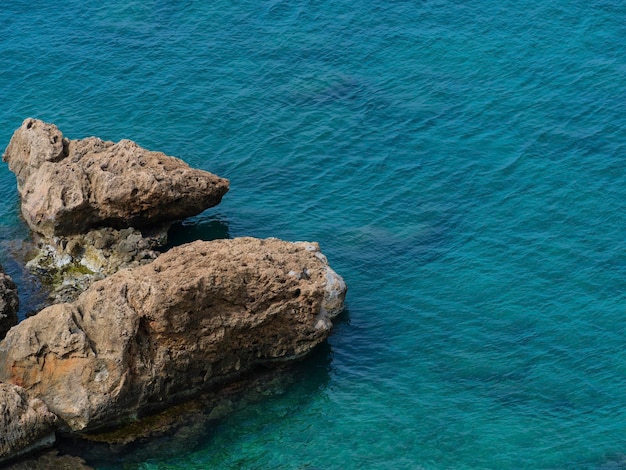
[
  {"x": 50, "y": 460},
  {"x": 70, "y": 186},
  {"x": 9, "y": 303},
  {"x": 25, "y": 422},
  {"x": 200, "y": 314}
]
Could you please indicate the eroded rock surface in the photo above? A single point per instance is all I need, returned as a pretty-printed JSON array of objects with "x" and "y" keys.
[
  {"x": 25, "y": 423},
  {"x": 198, "y": 315},
  {"x": 9, "y": 303},
  {"x": 71, "y": 186}
]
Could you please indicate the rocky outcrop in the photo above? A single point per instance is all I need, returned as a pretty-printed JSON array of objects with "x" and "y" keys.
[
  {"x": 71, "y": 186},
  {"x": 25, "y": 423},
  {"x": 9, "y": 303},
  {"x": 145, "y": 337},
  {"x": 148, "y": 330}
]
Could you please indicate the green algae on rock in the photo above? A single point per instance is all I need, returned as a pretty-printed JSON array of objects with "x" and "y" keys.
[{"x": 70, "y": 264}]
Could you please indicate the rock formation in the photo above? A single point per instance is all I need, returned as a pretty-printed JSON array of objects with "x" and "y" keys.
[
  {"x": 9, "y": 303},
  {"x": 145, "y": 337},
  {"x": 72, "y": 186},
  {"x": 160, "y": 328},
  {"x": 25, "y": 423}
]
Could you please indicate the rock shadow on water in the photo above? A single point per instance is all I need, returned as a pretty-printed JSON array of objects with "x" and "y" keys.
[
  {"x": 187, "y": 426},
  {"x": 214, "y": 227}
]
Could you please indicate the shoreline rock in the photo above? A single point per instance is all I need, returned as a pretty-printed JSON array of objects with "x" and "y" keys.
[
  {"x": 73, "y": 186},
  {"x": 132, "y": 332},
  {"x": 9, "y": 303},
  {"x": 199, "y": 315}
]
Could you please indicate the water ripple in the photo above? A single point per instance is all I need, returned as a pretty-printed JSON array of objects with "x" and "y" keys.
[{"x": 460, "y": 164}]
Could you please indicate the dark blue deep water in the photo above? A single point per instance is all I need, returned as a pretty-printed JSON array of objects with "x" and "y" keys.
[{"x": 462, "y": 165}]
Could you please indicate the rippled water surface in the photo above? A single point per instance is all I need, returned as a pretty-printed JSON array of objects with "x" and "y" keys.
[{"x": 460, "y": 163}]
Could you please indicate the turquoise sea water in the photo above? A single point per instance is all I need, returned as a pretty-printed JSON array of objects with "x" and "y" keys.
[{"x": 460, "y": 163}]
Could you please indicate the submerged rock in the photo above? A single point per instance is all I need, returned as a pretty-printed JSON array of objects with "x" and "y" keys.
[
  {"x": 185, "y": 426},
  {"x": 51, "y": 460},
  {"x": 9, "y": 303},
  {"x": 25, "y": 423},
  {"x": 149, "y": 336},
  {"x": 72, "y": 186}
]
